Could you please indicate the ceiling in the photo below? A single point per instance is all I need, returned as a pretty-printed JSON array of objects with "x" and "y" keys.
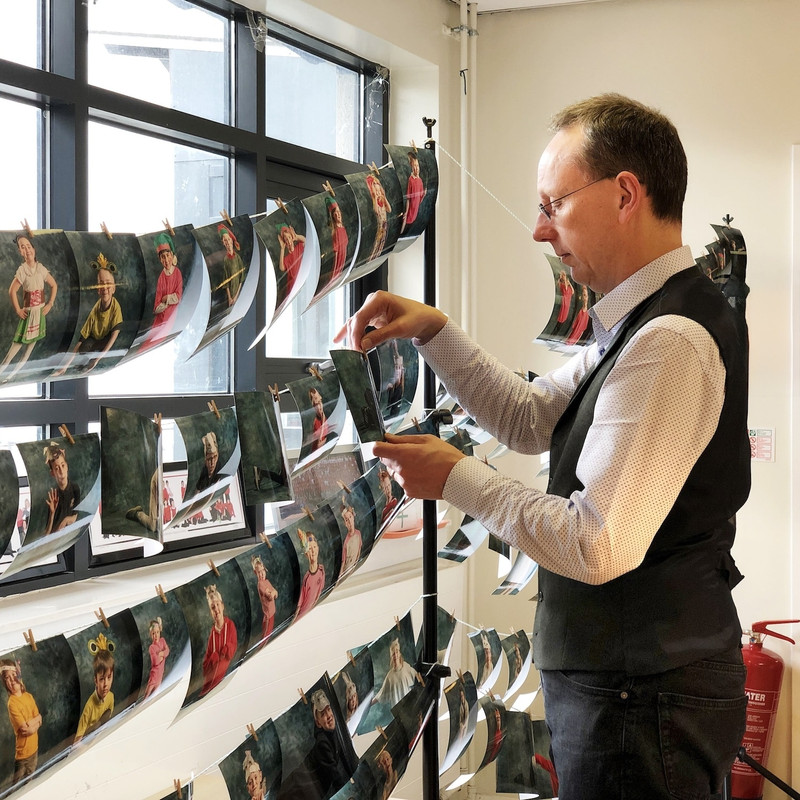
[{"x": 492, "y": 6}]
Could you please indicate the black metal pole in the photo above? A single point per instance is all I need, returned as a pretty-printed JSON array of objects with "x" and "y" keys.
[
  {"x": 430, "y": 741},
  {"x": 745, "y": 758}
]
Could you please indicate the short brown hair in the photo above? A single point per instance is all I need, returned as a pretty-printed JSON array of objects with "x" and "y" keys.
[{"x": 622, "y": 134}]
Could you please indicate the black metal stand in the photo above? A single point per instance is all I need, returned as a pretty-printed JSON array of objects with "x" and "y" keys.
[
  {"x": 771, "y": 777},
  {"x": 430, "y": 599}
]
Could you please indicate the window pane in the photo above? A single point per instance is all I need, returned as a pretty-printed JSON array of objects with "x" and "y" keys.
[
  {"x": 164, "y": 52},
  {"x": 312, "y": 102},
  {"x": 185, "y": 185},
  {"x": 20, "y": 164},
  {"x": 20, "y": 24}
]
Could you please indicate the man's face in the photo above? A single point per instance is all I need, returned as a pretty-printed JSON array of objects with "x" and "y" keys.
[
  {"x": 60, "y": 471},
  {"x": 254, "y": 781},
  {"x": 324, "y": 719},
  {"x": 581, "y": 225},
  {"x": 102, "y": 682}
]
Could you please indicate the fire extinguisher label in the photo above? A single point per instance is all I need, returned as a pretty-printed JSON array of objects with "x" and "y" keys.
[{"x": 761, "y": 708}]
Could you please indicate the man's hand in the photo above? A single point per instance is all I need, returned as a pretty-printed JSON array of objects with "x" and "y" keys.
[
  {"x": 421, "y": 464},
  {"x": 394, "y": 317}
]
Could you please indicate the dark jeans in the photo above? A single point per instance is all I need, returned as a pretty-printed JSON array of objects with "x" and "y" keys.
[{"x": 670, "y": 736}]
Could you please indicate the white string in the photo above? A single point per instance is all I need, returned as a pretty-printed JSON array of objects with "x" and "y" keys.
[{"x": 488, "y": 191}]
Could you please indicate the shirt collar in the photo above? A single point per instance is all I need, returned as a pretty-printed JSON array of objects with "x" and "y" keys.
[{"x": 609, "y": 312}]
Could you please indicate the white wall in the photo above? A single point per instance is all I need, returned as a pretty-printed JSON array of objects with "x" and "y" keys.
[{"x": 725, "y": 73}]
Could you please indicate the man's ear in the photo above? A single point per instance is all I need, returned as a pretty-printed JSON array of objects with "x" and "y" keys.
[{"x": 631, "y": 195}]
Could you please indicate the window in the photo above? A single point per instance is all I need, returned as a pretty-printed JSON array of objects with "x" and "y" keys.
[{"x": 129, "y": 124}]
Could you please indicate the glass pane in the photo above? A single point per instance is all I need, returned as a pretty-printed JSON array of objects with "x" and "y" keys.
[
  {"x": 165, "y": 52},
  {"x": 20, "y": 164},
  {"x": 190, "y": 188},
  {"x": 312, "y": 102},
  {"x": 20, "y": 24}
]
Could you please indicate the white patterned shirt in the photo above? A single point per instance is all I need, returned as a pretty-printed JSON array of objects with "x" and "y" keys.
[{"x": 655, "y": 414}]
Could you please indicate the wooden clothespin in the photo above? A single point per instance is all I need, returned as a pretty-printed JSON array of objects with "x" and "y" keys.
[
  {"x": 213, "y": 567},
  {"x": 397, "y": 622},
  {"x": 350, "y": 657},
  {"x": 170, "y": 230},
  {"x": 252, "y": 731},
  {"x": 161, "y": 594},
  {"x": 106, "y": 231},
  {"x": 157, "y": 420},
  {"x": 328, "y": 188},
  {"x": 102, "y": 617},
  {"x": 177, "y": 784},
  {"x": 224, "y": 214},
  {"x": 264, "y": 538},
  {"x": 420, "y": 679},
  {"x": 315, "y": 372},
  {"x": 460, "y": 675},
  {"x": 276, "y": 395},
  {"x": 344, "y": 487},
  {"x": 374, "y": 168},
  {"x": 413, "y": 146},
  {"x": 303, "y": 695},
  {"x": 212, "y": 406},
  {"x": 29, "y": 640},
  {"x": 416, "y": 424},
  {"x": 382, "y": 732},
  {"x": 452, "y": 615},
  {"x": 64, "y": 431},
  {"x": 27, "y": 228},
  {"x": 281, "y": 205},
  {"x": 308, "y": 513},
  {"x": 513, "y": 632}
]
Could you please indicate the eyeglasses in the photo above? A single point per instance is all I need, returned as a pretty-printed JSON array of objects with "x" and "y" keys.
[{"x": 544, "y": 208}]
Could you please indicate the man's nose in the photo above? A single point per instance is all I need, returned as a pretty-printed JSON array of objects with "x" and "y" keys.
[{"x": 543, "y": 230}]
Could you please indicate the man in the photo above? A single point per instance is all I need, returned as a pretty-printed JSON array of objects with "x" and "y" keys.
[
  {"x": 649, "y": 462},
  {"x": 63, "y": 498},
  {"x": 254, "y": 779},
  {"x": 329, "y": 763}
]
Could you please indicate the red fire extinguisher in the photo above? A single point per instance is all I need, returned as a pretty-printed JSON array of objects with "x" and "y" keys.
[{"x": 763, "y": 687}]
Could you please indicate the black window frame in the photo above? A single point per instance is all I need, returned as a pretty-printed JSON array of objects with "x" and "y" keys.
[{"x": 263, "y": 168}]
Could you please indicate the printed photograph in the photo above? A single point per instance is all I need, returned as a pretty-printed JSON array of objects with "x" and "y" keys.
[
  {"x": 318, "y": 545},
  {"x": 355, "y": 378},
  {"x": 387, "y": 494},
  {"x": 272, "y": 576},
  {"x": 418, "y": 175},
  {"x": 387, "y": 758},
  {"x": 519, "y": 576},
  {"x": 445, "y": 628},
  {"x": 231, "y": 260},
  {"x": 488, "y": 650},
  {"x": 111, "y": 289},
  {"x": 517, "y": 649},
  {"x": 164, "y": 640},
  {"x": 169, "y": 259},
  {"x": 380, "y": 207},
  {"x": 393, "y": 658},
  {"x": 494, "y": 712},
  {"x": 354, "y": 687},
  {"x": 322, "y": 406},
  {"x": 41, "y": 313},
  {"x": 414, "y": 711},
  {"x": 318, "y": 754},
  {"x": 466, "y": 540},
  {"x": 15, "y": 508},
  {"x": 336, "y": 220},
  {"x": 42, "y": 714},
  {"x": 543, "y": 769},
  {"x": 462, "y": 706},
  {"x": 64, "y": 483},
  {"x": 130, "y": 454},
  {"x": 252, "y": 771},
  {"x": 515, "y": 759},
  {"x": 217, "y": 612},
  {"x": 265, "y": 467},
  {"x": 354, "y": 511},
  {"x": 212, "y": 451},
  {"x": 109, "y": 662},
  {"x": 361, "y": 786},
  {"x": 397, "y": 377}
]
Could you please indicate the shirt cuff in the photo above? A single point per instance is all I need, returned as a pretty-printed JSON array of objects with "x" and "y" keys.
[{"x": 465, "y": 483}]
